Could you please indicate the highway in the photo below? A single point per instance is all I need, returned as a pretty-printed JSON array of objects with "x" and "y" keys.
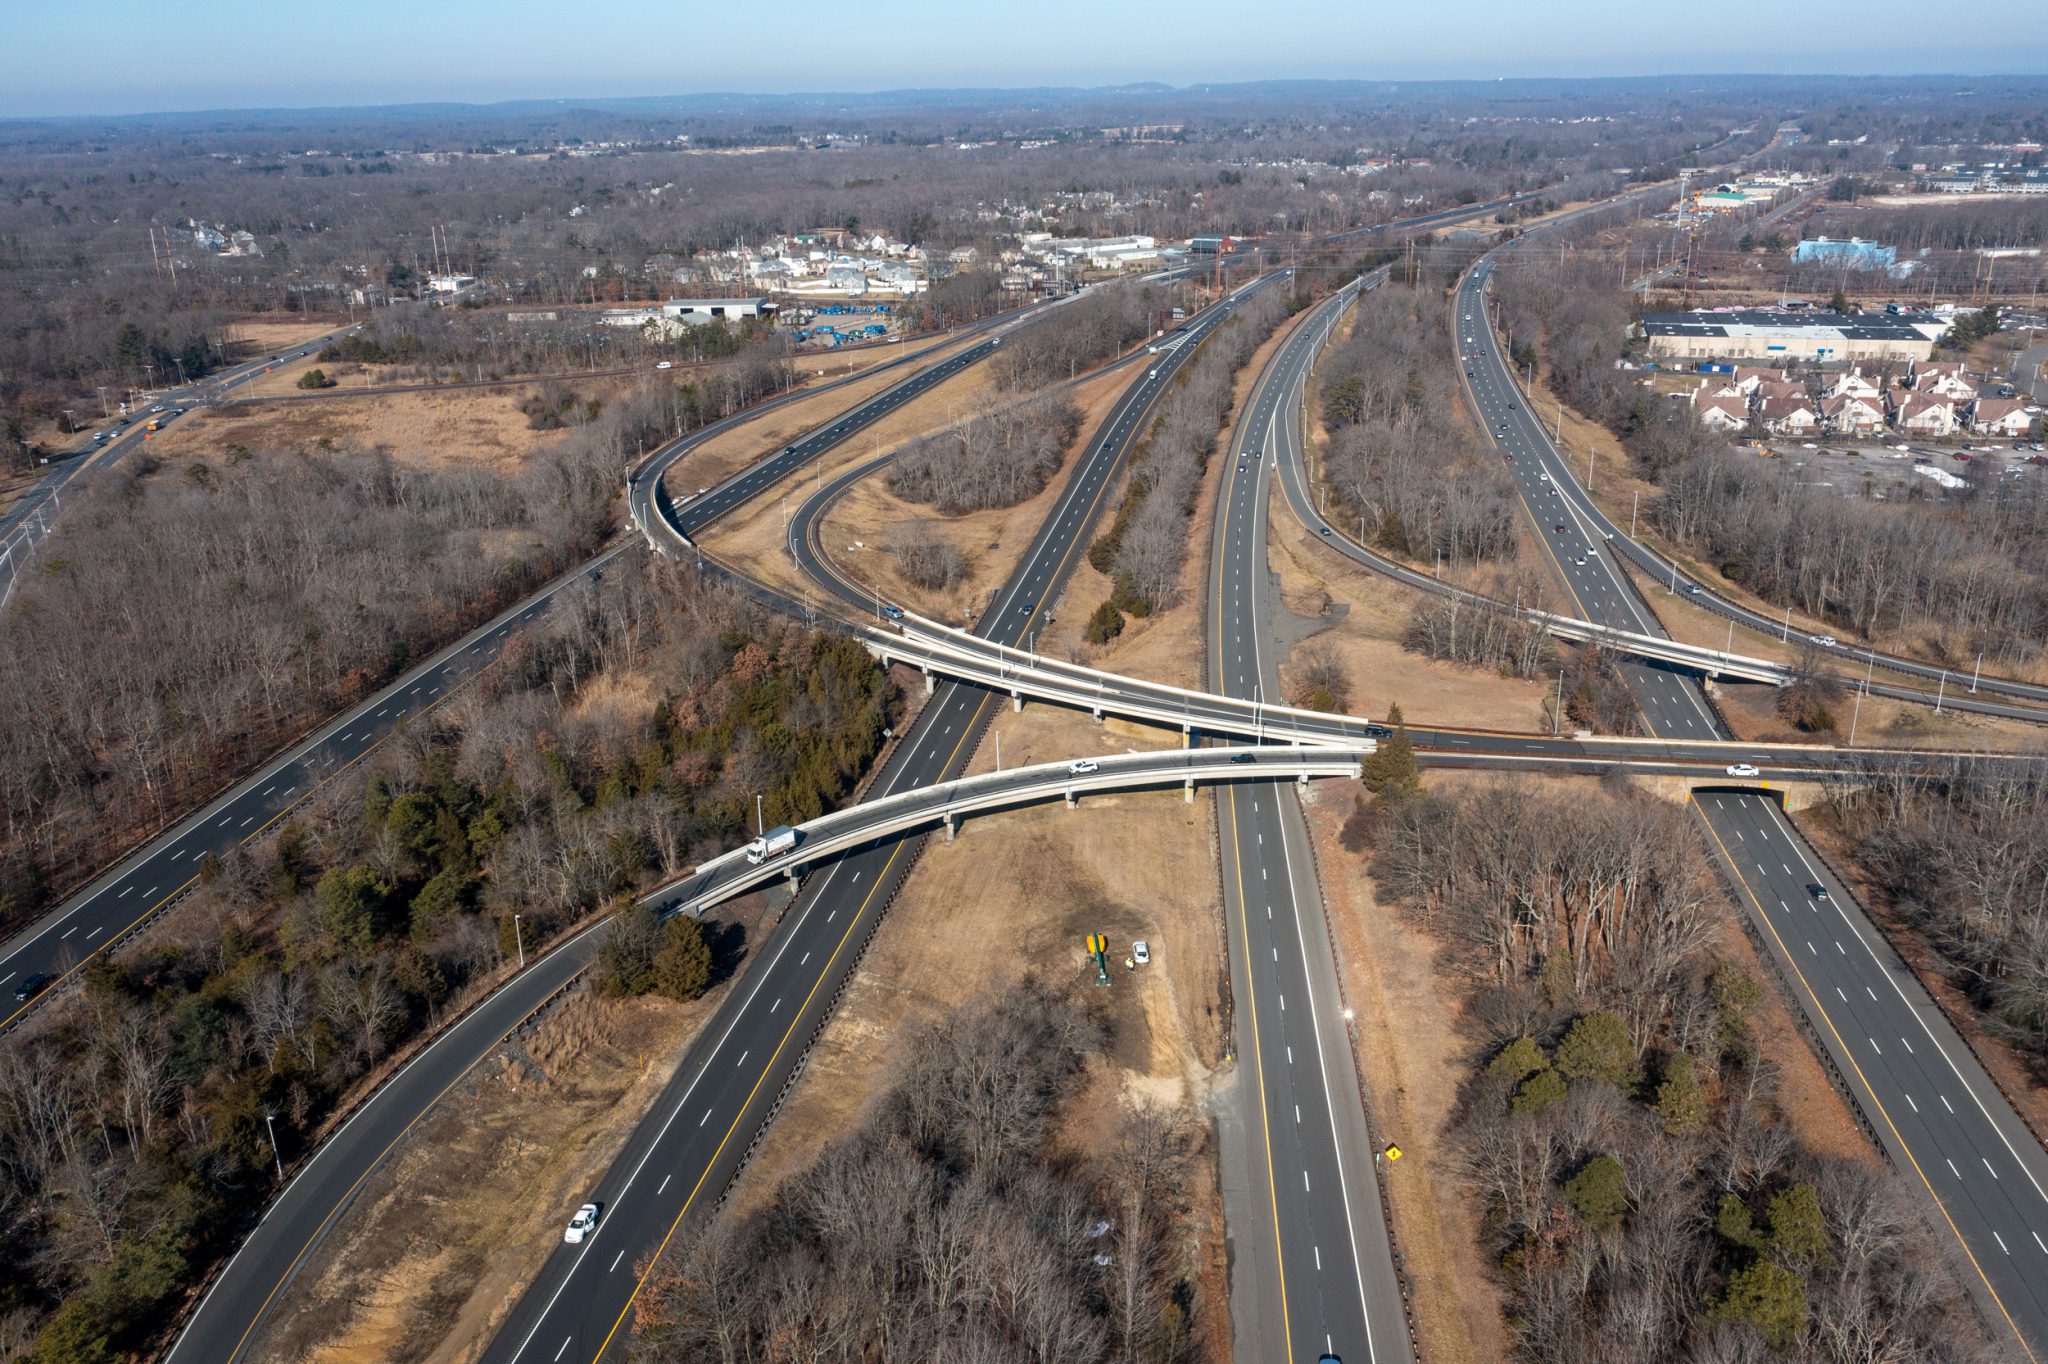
[
  {"x": 1946, "y": 1127},
  {"x": 1302, "y": 1159},
  {"x": 1558, "y": 496},
  {"x": 30, "y": 518},
  {"x": 1871, "y": 1000},
  {"x": 682, "y": 1156},
  {"x": 143, "y": 884},
  {"x": 233, "y": 1308}
]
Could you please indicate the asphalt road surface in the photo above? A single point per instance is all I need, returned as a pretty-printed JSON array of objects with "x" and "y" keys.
[
  {"x": 1997, "y": 1231},
  {"x": 144, "y": 884},
  {"x": 692, "y": 1143},
  {"x": 1301, "y": 1163},
  {"x": 233, "y": 1308},
  {"x": 1949, "y": 1132}
]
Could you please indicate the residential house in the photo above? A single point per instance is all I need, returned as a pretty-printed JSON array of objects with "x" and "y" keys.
[
  {"x": 1749, "y": 378},
  {"x": 1788, "y": 415},
  {"x": 1780, "y": 388},
  {"x": 1853, "y": 414},
  {"x": 1851, "y": 383},
  {"x": 2006, "y": 417},
  {"x": 1944, "y": 378},
  {"x": 1925, "y": 414},
  {"x": 1722, "y": 413}
]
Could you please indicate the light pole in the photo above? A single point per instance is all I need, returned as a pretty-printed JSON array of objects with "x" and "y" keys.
[
  {"x": 270, "y": 1126},
  {"x": 1977, "y": 672},
  {"x": 519, "y": 941},
  {"x": 760, "y": 820},
  {"x": 1854, "y": 716}
]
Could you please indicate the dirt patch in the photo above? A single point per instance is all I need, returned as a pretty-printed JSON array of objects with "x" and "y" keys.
[
  {"x": 437, "y": 430},
  {"x": 1409, "y": 1045},
  {"x": 869, "y": 518},
  {"x": 433, "y": 1254},
  {"x": 1018, "y": 892},
  {"x": 1414, "y": 1050},
  {"x": 1370, "y": 614}
]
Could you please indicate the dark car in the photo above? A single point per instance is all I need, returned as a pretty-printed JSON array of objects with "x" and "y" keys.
[
  {"x": 1817, "y": 890},
  {"x": 892, "y": 613},
  {"x": 1378, "y": 731},
  {"x": 37, "y": 982},
  {"x": 1245, "y": 757},
  {"x": 1559, "y": 528}
]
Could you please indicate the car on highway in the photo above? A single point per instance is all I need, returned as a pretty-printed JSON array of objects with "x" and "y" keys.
[
  {"x": 1082, "y": 766},
  {"x": 1247, "y": 756},
  {"x": 1744, "y": 770},
  {"x": 1825, "y": 641},
  {"x": 1141, "y": 952},
  {"x": 1324, "y": 531},
  {"x": 34, "y": 984},
  {"x": 1695, "y": 590},
  {"x": 1580, "y": 560},
  {"x": 1558, "y": 529},
  {"x": 1374, "y": 730},
  {"x": 1544, "y": 477},
  {"x": 581, "y": 1225},
  {"x": 892, "y": 612},
  {"x": 1817, "y": 890}
]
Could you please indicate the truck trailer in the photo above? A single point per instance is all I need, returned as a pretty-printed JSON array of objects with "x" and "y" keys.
[{"x": 774, "y": 843}]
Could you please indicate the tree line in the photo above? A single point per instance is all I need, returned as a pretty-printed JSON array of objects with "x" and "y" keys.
[
  {"x": 1644, "y": 1195},
  {"x": 184, "y": 622},
  {"x": 954, "y": 1222},
  {"x": 133, "y": 1141},
  {"x": 1400, "y": 457},
  {"x": 1003, "y": 457},
  {"x": 1965, "y": 862},
  {"x": 1147, "y": 543}
]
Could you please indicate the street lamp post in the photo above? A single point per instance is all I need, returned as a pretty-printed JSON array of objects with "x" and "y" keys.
[
  {"x": 519, "y": 941},
  {"x": 270, "y": 1125}
]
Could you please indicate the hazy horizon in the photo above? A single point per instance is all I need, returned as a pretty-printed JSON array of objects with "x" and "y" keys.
[{"x": 92, "y": 59}]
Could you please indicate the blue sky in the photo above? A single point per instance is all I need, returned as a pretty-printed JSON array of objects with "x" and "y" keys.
[{"x": 123, "y": 56}]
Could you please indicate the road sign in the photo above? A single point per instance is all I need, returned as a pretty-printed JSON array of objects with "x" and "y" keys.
[{"x": 1393, "y": 1153}]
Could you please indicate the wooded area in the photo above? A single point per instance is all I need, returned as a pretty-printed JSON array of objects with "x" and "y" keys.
[
  {"x": 1145, "y": 546},
  {"x": 1965, "y": 862},
  {"x": 955, "y": 1223},
  {"x": 1645, "y": 1197},
  {"x": 184, "y": 623},
  {"x": 133, "y": 1145},
  {"x": 1003, "y": 457},
  {"x": 1402, "y": 455}
]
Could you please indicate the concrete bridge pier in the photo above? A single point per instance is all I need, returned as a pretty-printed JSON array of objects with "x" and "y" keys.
[
  {"x": 952, "y": 823},
  {"x": 1072, "y": 801},
  {"x": 1187, "y": 792},
  {"x": 930, "y": 684},
  {"x": 1016, "y": 701}
]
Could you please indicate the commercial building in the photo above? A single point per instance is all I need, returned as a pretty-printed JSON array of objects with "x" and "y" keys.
[
  {"x": 695, "y": 310},
  {"x": 1757, "y": 334}
]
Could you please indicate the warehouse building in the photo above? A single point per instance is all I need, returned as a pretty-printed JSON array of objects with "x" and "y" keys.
[
  {"x": 1829, "y": 338},
  {"x": 694, "y": 310}
]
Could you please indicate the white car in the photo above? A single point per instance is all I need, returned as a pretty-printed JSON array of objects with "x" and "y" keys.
[
  {"x": 1141, "y": 951},
  {"x": 666, "y": 364},
  {"x": 1081, "y": 766},
  {"x": 1743, "y": 770},
  {"x": 1825, "y": 641},
  {"x": 581, "y": 1225}
]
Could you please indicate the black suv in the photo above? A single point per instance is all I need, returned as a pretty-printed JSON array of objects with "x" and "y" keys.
[{"x": 36, "y": 983}]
